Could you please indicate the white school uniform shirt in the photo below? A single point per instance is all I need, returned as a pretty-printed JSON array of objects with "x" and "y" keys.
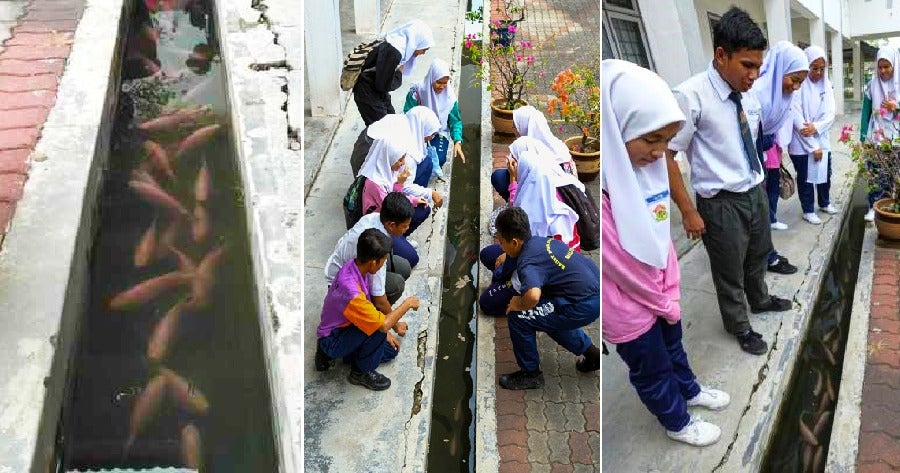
[
  {"x": 711, "y": 136},
  {"x": 345, "y": 250}
]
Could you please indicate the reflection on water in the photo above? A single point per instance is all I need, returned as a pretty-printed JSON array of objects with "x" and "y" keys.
[
  {"x": 169, "y": 368},
  {"x": 803, "y": 432}
]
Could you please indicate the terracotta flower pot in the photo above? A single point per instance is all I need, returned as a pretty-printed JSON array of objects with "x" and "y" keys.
[
  {"x": 587, "y": 163},
  {"x": 886, "y": 221},
  {"x": 502, "y": 119}
]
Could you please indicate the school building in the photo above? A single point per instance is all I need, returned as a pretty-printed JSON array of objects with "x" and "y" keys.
[{"x": 674, "y": 37}]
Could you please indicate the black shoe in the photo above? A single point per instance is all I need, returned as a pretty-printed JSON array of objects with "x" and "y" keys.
[
  {"x": 752, "y": 342},
  {"x": 323, "y": 362},
  {"x": 782, "y": 266},
  {"x": 776, "y": 304},
  {"x": 590, "y": 361},
  {"x": 372, "y": 380},
  {"x": 522, "y": 380}
]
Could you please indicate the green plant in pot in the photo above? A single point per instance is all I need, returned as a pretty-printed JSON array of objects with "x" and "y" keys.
[
  {"x": 505, "y": 22},
  {"x": 577, "y": 103},
  {"x": 878, "y": 162}
]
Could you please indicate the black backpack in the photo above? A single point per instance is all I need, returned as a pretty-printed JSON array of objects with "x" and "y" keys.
[
  {"x": 585, "y": 206},
  {"x": 354, "y": 63}
]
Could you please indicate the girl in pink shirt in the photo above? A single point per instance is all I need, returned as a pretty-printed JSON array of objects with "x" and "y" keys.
[{"x": 640, "y": 276}]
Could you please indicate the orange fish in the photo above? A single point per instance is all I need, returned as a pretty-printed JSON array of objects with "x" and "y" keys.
[
  {"x": 205, "y": 278},
  {"x": 146, "y": 248},
  {"x": 191, "y": 447},
  {"x": 185, "y": 263},
  {"x": 200, "y": 225},
  {"x": 196, "y": 139},
  {"x": 184, "y": 394},
  {"x": 201, "y": 186},
  {"x": 147, "y": 290},
  {"x": 159, "y": 158},
  {"x": 167, "y": 239},
  {"x": 174, "y": 120},
  {"x": 158, "y": 345},
  {"x": 154, "y": 194},
  {"x": 145, "y": 407}
]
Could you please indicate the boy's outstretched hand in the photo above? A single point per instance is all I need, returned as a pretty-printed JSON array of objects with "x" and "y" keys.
[{"x": 412, "y": 302}]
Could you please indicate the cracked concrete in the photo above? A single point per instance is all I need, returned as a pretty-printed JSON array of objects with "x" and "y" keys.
[{"x": 633, "y": 440}]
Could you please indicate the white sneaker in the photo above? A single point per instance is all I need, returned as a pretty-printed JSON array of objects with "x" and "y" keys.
[
  {"x": 697, "y": 433},
  {"x": 812, "y": 218},
  {"x": 870, "y": 215},
  {"x": 779, "y": 226},
  {"x": 830, "y": 210},
  {"x": 710, "y": 398}
]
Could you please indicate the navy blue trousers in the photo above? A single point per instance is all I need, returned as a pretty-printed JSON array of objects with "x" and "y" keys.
[
  {"x": 805, "y": 190},
  {"x": 559, "y": 318},
  {"x": 881, "y": 187},
  {"x": 773, "y": 191},
  {"x": 496, "y": 297},
  {"x": 424, "y": 169},
  {"x": 406, "y": 251},
  {"x": 659, "y": 371},
  {"x": 421, "y": 214},
  {"x": 362, "y": 352}
]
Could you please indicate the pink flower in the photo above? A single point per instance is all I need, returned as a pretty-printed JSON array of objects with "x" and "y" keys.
[
  {"x": 512, "y": 28},
  {"x": 541, "y": 74},
  {"x": 496, "y": 23},
  {"x": 518, "y": 58},
  {"x": 845, "y": 133},
  {"x": 883, "y": 112},
  {"x": 560, "y": 128},
  {"x": 469, "y": 43},
  {"x": 527, "y": 44}
]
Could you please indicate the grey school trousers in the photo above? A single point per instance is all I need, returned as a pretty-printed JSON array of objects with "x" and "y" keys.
[{"x": 738, "y": 243}]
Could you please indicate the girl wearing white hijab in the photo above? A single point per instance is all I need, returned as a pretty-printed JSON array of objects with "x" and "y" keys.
[
  {"x": 423, "y": 124},
  {"x": 436, "y": 93},
  {"x": 386, "y": 66},
  {"x": 878, "y": 122},
  {"x": 810, "y": 147},
  {"x": 533, "y": 189},
  {"x": 640, "y": 275},
  {"x": 384, "y": 168}
]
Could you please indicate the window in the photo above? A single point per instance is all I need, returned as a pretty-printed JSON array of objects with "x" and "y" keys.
[{"x": 623, "y": 33}]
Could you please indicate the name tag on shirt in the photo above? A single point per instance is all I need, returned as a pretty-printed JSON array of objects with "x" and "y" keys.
[{"x": 659, "y": 206}]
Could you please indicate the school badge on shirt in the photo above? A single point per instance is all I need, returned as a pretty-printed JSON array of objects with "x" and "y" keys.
[{"x": 658, "y": 204}]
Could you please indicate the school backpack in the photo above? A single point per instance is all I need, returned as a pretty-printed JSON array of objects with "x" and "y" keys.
[
  {"x": 353, "y": 210},
  {"x": 585, "y": 206},
  {"x": 354, "y": 63}
]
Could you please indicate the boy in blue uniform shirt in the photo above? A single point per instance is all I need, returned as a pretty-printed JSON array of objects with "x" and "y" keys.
[{"x": 560, "y": 293}]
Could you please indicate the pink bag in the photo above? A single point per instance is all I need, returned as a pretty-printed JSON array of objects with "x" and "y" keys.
[{"x": 773, "y": 157}]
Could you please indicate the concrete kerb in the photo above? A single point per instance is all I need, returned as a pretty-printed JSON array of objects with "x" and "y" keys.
[
  {"x": 335, "y": 438},
  {"x": 271, "y": 177},
  {"x": 487, "y": 455},
  {"x": 46, "y": 252},
  {"x": 757, "y": 422},
  {"x": 844, "y": 446}
]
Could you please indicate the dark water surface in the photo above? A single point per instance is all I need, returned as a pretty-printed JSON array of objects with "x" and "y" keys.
[
  {"x": 811, "y": 396},
  {"x": 214, "y": 354},
  {"x": 452, "y": 426}
]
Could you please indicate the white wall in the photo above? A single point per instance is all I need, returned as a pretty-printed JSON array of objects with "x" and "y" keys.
[
  {"x": 702, "y": 7},
  {"x": 675, "y": 61},
  {"x": 871, "y": 19},
  {"x": 800, "y": 28},
  {"x": 833, "y": 17}
]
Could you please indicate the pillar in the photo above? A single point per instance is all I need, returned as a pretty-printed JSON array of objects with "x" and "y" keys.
[
  {"x": 674, "y": 61},
  {"x": 367, "y": 16},
  {"x": 857, "y": 71},
  {"x": 817, "y": 32},
  {"x": 324, "y": 56},
  {"x": 837, "y": 70},
  {"x": 778, "y": 20}
]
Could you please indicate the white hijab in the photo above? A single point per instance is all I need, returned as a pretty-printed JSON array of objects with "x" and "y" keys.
[
  {"x": 529, "y": 121},
  {"x": 782, "y": 59},
  {"x": 811, "y": 106},
  {"x": 391, "y": 142},
  {"x": 422, "y": 122},
  {"x": 880, "y": 90},
  {"x": 560, "y": 178},
  {"x": 536, "y": 195},
  {"x": 407, "y": 39},
  {"x": 635, "y": 102},
  {"x": 441, "y": 104}
]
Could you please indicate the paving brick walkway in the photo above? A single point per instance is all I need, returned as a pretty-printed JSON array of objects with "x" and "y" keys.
[
  {"x": 557, "y": 428},
  {"x": 39, "y": 36},
  {"x": 879, "y": 434}
]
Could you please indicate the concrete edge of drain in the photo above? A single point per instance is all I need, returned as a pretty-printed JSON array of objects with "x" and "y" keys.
[{"x": 844, "y": 446}]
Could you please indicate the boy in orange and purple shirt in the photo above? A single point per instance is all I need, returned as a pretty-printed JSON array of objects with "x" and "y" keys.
[{"x": 351, "y": 327}]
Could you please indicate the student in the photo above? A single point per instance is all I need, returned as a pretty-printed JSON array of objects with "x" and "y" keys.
[
  {"x": 530, "y": 122},
  {"x": 560, "y": 293},
  {"x": 386, "y": 66},
  {"x": 385, "y": 171},
  {"x": 423, "y": 125},
  {"x": 810, "y": 148},
  {"x": 436, "y": 93},
  {"x": 386, "y": 285},
  {"x": 641, "y": 280},
  {"x": 882, "y": 93},
  {"x": 731, "y": 211},
  {"x": 500, "y": 179},
  {"x": 783, "y": 71},
  {"x": 351, "y": 327}
]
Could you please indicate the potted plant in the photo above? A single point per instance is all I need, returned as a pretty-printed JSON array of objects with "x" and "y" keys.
[
  {"x": 879, "y": 165},
  {"x": 577, "y": 102},
  {"x": 511, "y": 70},
  {"x": 506, "y": 22}
]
